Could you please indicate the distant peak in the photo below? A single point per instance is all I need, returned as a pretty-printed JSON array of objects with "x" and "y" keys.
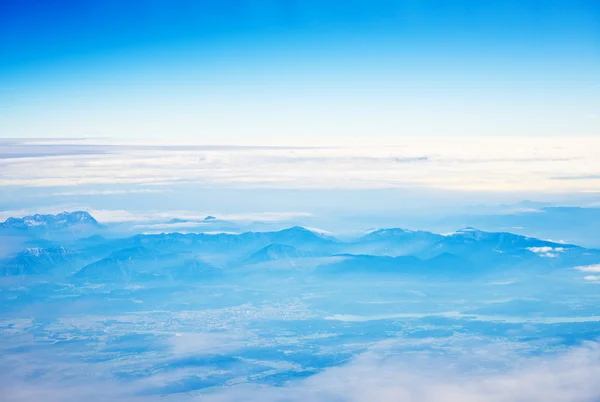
[
  {"x": 275, "y": 252},
  {"x": 317, "y": 230},
  {"x": 389, "y": 232},
  {"x": 60, "y": 219},
  {"x": 469, "y": 229},
  {"x": 80, "y": 216},
  {"x": 300, "y": 232},
  {"x": 296, "y": 229},
  {"x": 40, "y": 251},
  {"x": 306, "y": 229},
  {"x": 177, "y": 220},
  {"x": 468, "y": 232},
  {"x": 279, "y": 247},
  {"x": 210, "y": 218}
]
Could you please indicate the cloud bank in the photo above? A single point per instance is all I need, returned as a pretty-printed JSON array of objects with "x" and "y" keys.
[{"x": 469, "y": 164}]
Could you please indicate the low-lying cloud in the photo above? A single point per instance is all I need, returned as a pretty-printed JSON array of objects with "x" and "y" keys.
[{"x": 569, "y": 376}]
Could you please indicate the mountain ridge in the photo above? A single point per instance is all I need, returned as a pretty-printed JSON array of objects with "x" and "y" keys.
[{"x": 60, "y": 220}]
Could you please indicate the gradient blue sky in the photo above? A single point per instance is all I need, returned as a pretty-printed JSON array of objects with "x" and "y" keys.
[{"x": 262, "y": 71}]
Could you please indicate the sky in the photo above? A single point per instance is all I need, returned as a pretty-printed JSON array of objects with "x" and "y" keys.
[
  {"x": 292, "y": 72},
  {"x": 297, "y": 107}
]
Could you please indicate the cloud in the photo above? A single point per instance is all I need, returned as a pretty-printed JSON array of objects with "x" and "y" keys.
[
  {"x": 109, "y": 192},
  {"x": 568, "y": 377},
  {"x": 546, "y": 251},
  {"x": 119, "y": 215},
  {"x": 588, "y": 268},
  {"x": 502, "y": 165},
  {"x": 376, "y": 375},
  {"x": 591, "y": 278},
  {"x": 27, "y": 149},
  {"x": 583, "y": 177}
]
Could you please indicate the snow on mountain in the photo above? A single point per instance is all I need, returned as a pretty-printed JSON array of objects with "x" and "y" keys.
[{"x": 58, "y": 221}]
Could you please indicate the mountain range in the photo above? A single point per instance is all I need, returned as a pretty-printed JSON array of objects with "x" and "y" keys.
[{"x": 201, "y": 255}]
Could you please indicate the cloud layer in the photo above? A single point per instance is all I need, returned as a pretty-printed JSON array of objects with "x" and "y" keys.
[{"x": 471, "y": 164}]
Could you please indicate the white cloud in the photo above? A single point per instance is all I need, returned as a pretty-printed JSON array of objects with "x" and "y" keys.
[
  {"x": 110, "y": 216},
  {"x": 456, "y": 369},
  {"x": 546, "y": 251},
  {"x": 592, "y": 278},
  {"x": 566, "y": 378},
  {"x": 373, "y": 376},
  {"x": 110, "y": 192},
  {"x": 490, "y": 164},
  {"x": 588, "y": 268}
]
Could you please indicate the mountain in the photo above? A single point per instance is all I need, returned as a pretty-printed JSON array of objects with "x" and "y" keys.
[
  {"x": 576, "y": 225},
  {"x": 144, "y": 264},
  {"x": 397, "y": 234},
  {"x": 442, "y": 265},
  {"x": 229, "y": 247},
  {"x": 37, "y": 261},
  {"x": 371, "y": 264},
  {"x": 58, "y": 221},
  {"x": 299, "y": 236},
  {"x": 449, "y": 264},
  {"x": 499, "y": 240},
  {"x": 469, "y": 243},
  {"x": 494, "y": 247},
  {"x": 122, "y": 264},
  {"x": 394, "y": 242},
  {"x": 173, "y": 255},
  {"x": 277, "y": 252},
  {"x": 191, "y": 270},
  {"x": 466, "y": 251}
]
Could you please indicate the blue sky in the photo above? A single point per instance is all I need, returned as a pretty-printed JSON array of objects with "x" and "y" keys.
[{"x": 285, "y": 71}]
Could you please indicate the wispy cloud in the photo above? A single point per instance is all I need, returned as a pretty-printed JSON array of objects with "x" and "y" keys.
[
  {"x": 109, "y": 192},
  {"x": 583, "y": 177}
]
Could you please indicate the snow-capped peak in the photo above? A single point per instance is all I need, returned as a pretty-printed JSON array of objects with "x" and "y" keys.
[{"x": 62, "y": 219}]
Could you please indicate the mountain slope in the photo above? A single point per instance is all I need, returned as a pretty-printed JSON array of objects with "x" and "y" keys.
[
  {"x": 277, "y": 252},
  {"x": 37, "y": 261},
  {"x": 394, "y": 242},
  {"x": 120, "y": 265},
  {"x": 145, "y": 264}
]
